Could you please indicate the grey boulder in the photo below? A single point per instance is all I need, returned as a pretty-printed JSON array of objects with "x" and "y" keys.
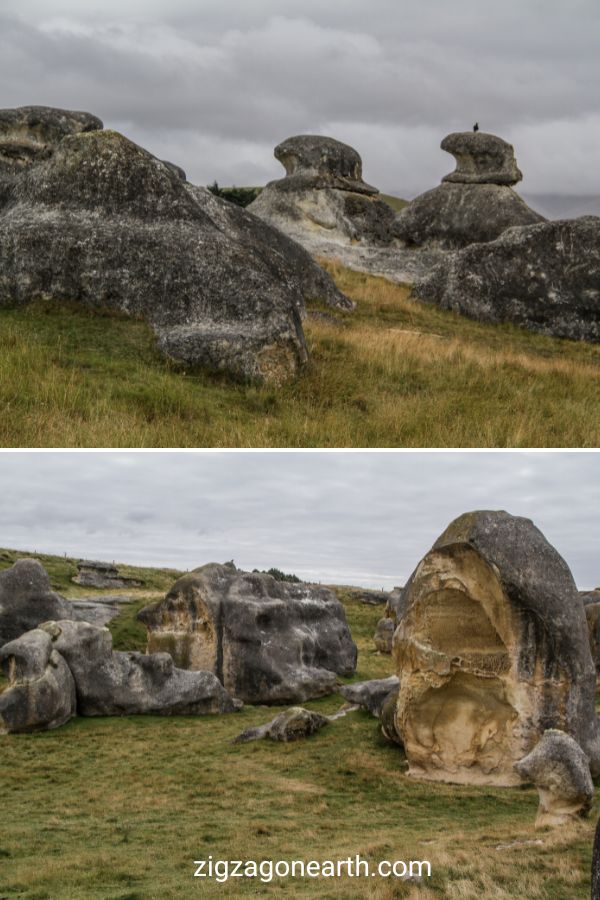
[
  {"x": 105, "y": 223},
  {"x": 41, "y": 691},
  {"x": 474, "y": 203},
  {"x": 93, "y": 573},
  {"x": 267, "y": 641},
  {"x": 384, "y": 633},
  {"x": 26, "y": 599},
  {"x": 291, "y": 725},
  {"x": 117, "y": 683},
  {"x": 371, "y": 695},
  {"x": 560, "y": 770},
  {"x": 544, "y": 277}
]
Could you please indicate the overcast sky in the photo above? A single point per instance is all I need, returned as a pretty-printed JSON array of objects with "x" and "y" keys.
[
  {"x": 350, "y": 518},
  {"x": 214, "y": 84}
]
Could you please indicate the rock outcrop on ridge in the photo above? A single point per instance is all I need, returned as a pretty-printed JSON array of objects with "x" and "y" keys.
[
  {"x": 491, "y": 652},
  {"x": 545, "y": 278},
  {"x": 475, "y": 203},
  {"x": 105, "y": 223},
  {"x": 267, "y": 641},
  {"x": 27, "y": 598},
  {"x": 92, "y": 573}
]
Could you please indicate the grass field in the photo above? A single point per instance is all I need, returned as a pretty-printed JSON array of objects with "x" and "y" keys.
[
  {"x": 395, "y": 373},
  {"x": 120, "y": 808}
]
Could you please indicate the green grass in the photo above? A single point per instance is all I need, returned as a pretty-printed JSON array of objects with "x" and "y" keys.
[
  {"x": 120, "y": 808},
  {"x": 395, "y": 373},
  {"x": 395, "y": 202}
]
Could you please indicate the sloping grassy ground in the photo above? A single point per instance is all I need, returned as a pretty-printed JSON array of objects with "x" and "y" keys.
[
  {"x": 395, "y": 373},
  {"x": 120, "y": 808}
]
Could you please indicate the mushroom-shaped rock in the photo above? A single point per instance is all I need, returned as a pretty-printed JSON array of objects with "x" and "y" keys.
[
  {"x": 492, "y": 651},
  {"x": 560, "y": 770},
  {"x": 26, "y": 599},
  {"x": 267, "y": 641},
  {"x": 116, "y": 683},
  {"x": 41, "y": 692},
  {"x": 481, "y": 158},
  {"x": 543, "y": 277},
  {"x": 473, "y": 204},
  {"x": 371, "y": 695},
  {"x": 323, "y": 198},
  {"x": 291, "y": 725},
  {"x": 105, "y": 223}
]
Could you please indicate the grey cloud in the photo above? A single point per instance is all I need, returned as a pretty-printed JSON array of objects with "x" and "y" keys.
[
  {"x": 214, "y": 86},
  {"x": 363, "y": 518}
]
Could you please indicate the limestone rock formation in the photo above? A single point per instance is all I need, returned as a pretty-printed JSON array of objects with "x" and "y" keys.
[
  {"x": 394, "y": 610},
  {"x": 591, "y": 605},
  {"x": 41, "y": 692},
  {"x": 491, "y": 652},
  {"x": 387, "y": 717},
  {"x": 30, "y": 134},
  {"x": 368, "y": 596},
  {"x": 384, "y": 633},
  {"x": 99, "y": 610},
  {"x": 117, "y": 683},
  {"x": 474, "y": 203},
  {"x": 596, "y": 864},
  {"x": 323, "y": 196},
  {"x": 105, "y": 223},
  {"x": 26, "y": 599},
  {"x": 267, "y": 641},
  {"x": 543, "y": 277},
  {"x": 371, "y": 695},
  {"x": 92, "y": 573},
  {"x": 560, "y": 770},
  {"x": 291, "y": 725}
]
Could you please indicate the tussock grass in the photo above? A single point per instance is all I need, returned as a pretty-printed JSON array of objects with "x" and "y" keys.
[
  {"x": 395, "y": 373},
  {"x": 120, "y": 808}
]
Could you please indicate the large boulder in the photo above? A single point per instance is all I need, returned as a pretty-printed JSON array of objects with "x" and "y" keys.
[
  {"x": 30, "y": 134},
  {"x": 105, "y": 223},
  {"x": 559, "y": 769},
  {"x": 491, "y": 652},
  {"x": 267, "y": 641},
  {"x": 117, "y": 683},
  {"x": 26, "y": 599},
  {"x": 544, "y": 277},
  {"x": 474, "y": 203},
  {"x": 323, "y": 196},
  {"x": 93, "y": 573},
  {"x": 41, "y": 691}
]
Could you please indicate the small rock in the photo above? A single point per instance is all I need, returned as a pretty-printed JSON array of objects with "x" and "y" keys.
[{"x": 291, "y": 725}]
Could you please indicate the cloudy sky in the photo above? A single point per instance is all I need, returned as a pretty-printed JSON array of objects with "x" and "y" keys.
[
  {"x": 354, "y": 518},
  {"x": 214, "y": 84}
]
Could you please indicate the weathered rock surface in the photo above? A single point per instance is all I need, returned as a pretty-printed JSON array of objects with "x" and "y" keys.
[
  {"x": 117, "y": 683},
  {"x": 388, "y": 718},
  {"x": 30, "y": 134},
  {"x": 291, "y": 725},
  {"x": 105, "y": 223},
  {"x": 592, "y": 614},
  {"x": 481, "y": 158},
  {"x": 324, "y": 204},
  {"x": 92, "y": 573},
  {"x": 371, "y": 695},
  {"x": 394, "y": 610},
  {"x": 560, "y": 770},
  {"x": 26, "y": 599},
  {"x": 99, "y": 610},
  {"x": 370, "y": 597},
  {"x": 384, "y": 632},
  {"x": 267, "y": 641},
  {"x": 41, "y": 691},
  {"x": 491, "y": 652},
  {"x": 473, "y": 204},
  {"x": 544, "y": 277}
]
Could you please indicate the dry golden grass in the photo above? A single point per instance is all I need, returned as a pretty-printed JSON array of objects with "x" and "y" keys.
[{"x": 395, "y": 373}]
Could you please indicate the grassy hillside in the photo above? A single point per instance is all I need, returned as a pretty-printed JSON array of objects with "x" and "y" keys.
[
  {"x": 393, "y": 373},
  {"x": 120, "y": 808}
]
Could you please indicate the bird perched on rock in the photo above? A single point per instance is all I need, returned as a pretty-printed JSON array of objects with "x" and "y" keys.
[{"x": 476, "y": 126}]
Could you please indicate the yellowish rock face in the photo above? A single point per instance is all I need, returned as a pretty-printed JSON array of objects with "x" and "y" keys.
[{"x": 464, "y": 714}]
